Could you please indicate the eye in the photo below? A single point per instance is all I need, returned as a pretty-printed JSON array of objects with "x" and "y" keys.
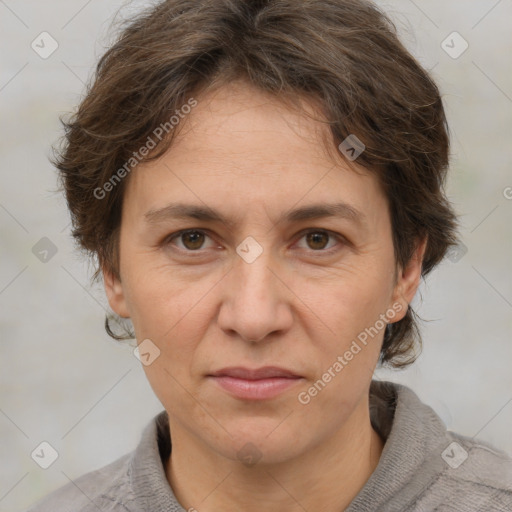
[
  {"x": 192, "y": 239},
  {"x": 318, "y": 240}
]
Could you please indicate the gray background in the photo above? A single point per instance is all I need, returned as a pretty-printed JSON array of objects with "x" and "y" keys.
[{"x": 65, "y": 382}]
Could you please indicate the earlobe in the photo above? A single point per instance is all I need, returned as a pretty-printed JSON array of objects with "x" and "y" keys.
[
  {"x": 409, "y": 277},
  {"x": 115, "y": 293}
]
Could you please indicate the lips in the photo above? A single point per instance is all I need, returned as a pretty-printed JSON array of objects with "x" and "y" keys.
[
  {"x": 257, "y": 384},
  {"x": 267, "y": 372}
]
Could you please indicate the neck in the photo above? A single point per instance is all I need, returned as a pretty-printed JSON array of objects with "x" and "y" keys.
[{"x": 325, "y": 478}]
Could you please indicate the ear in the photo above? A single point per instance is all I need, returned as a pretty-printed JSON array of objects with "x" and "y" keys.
[
  {"x": 115, "y": 293},
  {"x": 408, "y": 280}
]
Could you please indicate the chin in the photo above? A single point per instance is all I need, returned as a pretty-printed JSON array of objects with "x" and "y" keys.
[{"x": 260, "y": 442}]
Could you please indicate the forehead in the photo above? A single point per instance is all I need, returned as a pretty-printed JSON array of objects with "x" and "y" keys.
[
  {"x": 240, "y": 144},
  {"x": 240, "y": 120}
]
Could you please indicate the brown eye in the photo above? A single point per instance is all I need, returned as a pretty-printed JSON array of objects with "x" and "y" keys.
[
  {"x": 322, "y": 242},
  {"x": 317, "y": 240},
  {"x": 192, "y": 240}
]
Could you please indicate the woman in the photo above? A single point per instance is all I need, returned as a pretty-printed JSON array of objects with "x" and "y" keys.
[{"x": 261, "y": 183}]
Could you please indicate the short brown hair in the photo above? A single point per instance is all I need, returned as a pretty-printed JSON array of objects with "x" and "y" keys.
[{"x": 343, "y": 54}]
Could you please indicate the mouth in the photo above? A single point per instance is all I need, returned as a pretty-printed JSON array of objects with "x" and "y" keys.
[{"x": 258, "y": 384}]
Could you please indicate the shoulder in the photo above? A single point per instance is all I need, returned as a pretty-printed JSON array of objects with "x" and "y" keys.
[
  {"x": 477, "y": 473},
  {"x": 466, "y": 473},
  {"x": 106, "y": 489},
  {"x": 134, "y": 482},
  {"x": 429, "y": 467}
]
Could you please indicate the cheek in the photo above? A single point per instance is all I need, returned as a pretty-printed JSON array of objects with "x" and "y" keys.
[
  {"x": 159, "y": 298},
  {"x": 173, "y": 311},
  {"x": 350, "y": 300},
  {"x": 169, "y": 312},
  {"x": 347, "y": 339}
]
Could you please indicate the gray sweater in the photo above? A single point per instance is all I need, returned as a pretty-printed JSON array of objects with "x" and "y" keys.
[{"x": 423, "y": 467}]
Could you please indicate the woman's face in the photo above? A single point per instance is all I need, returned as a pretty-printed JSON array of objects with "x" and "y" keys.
[{"x": 263, "y": 278}]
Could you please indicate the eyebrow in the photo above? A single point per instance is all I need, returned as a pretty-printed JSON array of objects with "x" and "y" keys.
[{"x": 203, "y": 213}]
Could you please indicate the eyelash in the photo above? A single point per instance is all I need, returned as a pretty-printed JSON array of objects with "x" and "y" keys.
[{"x": 323, "y": 252}]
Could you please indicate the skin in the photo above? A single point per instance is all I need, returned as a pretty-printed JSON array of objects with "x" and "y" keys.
[{"x": 299, "y": 305}]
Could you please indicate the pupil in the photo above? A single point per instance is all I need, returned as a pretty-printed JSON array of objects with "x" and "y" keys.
[
  {"x": 190, "y": 243},
  {"x": 315, "y": 238}
]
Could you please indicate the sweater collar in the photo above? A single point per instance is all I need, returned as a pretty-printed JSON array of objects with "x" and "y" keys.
[
  {"x": 414, "y": 437},
  {"x": 410, "y": 429}
]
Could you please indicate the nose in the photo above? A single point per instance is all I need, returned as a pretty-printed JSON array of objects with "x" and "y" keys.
[{"x": 255, "y": 300}]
